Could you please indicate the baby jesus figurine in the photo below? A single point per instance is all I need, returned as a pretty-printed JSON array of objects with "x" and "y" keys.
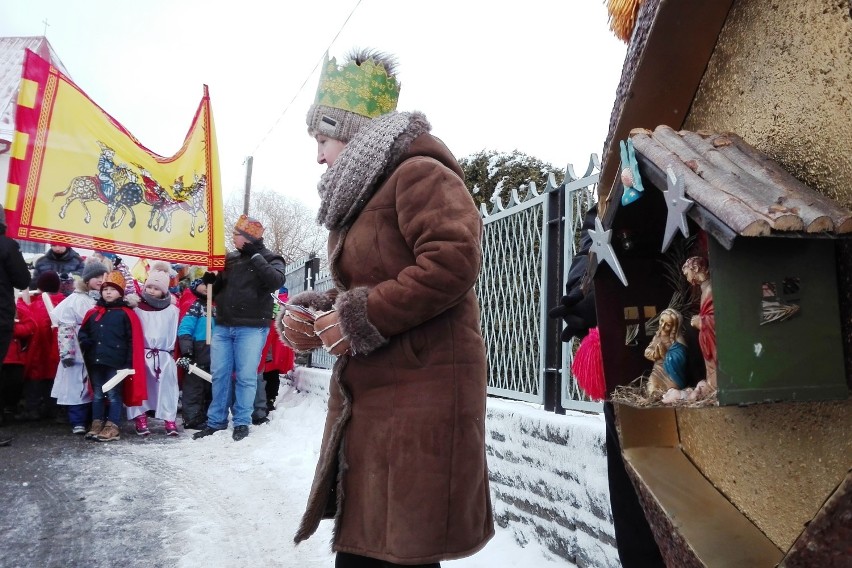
[{"x": 696, "y": 271}]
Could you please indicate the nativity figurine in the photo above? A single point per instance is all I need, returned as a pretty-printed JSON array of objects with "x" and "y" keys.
[
  {"x": 697, "y": 273},
  {"x": 668, "y": 352}
]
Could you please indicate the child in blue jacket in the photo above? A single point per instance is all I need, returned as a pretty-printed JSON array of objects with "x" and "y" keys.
[{"x": 197, "y": 392}]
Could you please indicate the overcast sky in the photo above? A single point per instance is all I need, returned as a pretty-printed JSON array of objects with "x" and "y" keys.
[{"x": 538, "y": 76}]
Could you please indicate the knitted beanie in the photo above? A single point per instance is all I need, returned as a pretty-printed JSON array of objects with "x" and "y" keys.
[
  {"x": 115, "y": 279},
  {"x": 160, "y": 280},
  {"x": 48, "y": 281},
  {"x": 351, "y": 95},
  {"x": 335, "y": 123},
  {"x": 92, "y": 269}
]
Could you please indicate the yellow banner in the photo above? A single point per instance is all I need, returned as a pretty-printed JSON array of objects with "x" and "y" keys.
[{"x": 77, "y": 176}]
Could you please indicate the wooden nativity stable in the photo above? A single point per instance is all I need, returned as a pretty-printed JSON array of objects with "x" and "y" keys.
[{"x": 756, "y": 126}]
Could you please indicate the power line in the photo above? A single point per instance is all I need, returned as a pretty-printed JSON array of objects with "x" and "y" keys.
[{"x": 305, "y": 82}]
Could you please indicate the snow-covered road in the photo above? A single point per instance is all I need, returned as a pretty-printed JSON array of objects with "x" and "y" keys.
[{"x": 179, "y": 502}]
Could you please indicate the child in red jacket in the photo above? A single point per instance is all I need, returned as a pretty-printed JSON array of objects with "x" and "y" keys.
[
  {"x": 43, "y": 353},
  {"x": 12, "y": 371}
]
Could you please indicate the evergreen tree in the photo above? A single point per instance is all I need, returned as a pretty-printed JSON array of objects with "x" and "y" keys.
[{"x": 489, "y": 173}]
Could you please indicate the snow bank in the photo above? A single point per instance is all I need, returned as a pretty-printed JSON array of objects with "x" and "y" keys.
[{"x": 548, "y": 480}]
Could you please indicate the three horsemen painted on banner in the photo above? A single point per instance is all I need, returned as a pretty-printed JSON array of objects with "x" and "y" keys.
[{"x": 119, "y": 188}]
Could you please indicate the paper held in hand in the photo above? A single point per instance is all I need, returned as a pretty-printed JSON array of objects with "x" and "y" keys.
[
  {"x": 120, "y": 375},
  {"x": 301, "y": 312}
]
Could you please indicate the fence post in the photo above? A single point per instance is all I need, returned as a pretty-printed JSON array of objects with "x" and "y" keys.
[
  {"x": 551, "y": 291},
  {"x": 312, "y": 266}
]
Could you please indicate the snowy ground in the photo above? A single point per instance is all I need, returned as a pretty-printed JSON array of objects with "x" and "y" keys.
[
  {"x": 188, "y": 503},
  {"x": 263, "y": 484}
]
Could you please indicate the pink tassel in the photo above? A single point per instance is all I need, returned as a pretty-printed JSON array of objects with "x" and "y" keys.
[{"x": 588, "y": 366}]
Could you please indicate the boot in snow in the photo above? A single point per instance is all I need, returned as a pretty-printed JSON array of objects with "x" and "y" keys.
[
  {"x": 171, "y": 428},
  {"x": 110, "y": 433},
  {"x": 142, "y": 425},
  {"x": 95, "y": 429}
]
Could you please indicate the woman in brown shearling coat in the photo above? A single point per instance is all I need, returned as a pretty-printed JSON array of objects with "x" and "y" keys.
[{"x": 402, "y": 467}]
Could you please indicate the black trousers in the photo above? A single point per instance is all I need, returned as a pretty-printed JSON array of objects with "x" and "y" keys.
[
  {"x": 346, "y": 560},
  {"x": 197, "y": 394},
  {"x": 634, "y": 539},
  {"x": 11, "y": 386},
  {"x": 5, "y": 339},
  {"x": 273, "y": 382}
]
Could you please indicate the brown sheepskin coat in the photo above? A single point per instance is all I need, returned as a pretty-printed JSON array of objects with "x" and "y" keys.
[{"x": 402, "y": 467}]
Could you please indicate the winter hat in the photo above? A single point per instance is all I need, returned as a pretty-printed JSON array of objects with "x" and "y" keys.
[
  {"x": 350, "y": 95},
  {"x": 48, "y": 281},
  {"x": 92, "y": 269},
  {"x": 66, "y": 283},
  {"x": 158, "y": 276},
  {"x": 115, "y": 280},
  {"x": 193, "y": 286},
  {"x": 249, "y": 228}
]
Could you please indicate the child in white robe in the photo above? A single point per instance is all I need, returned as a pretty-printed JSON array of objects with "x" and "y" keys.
[
  {"x": 159, "y": 318},
  {"x": 71, "y": 387}
]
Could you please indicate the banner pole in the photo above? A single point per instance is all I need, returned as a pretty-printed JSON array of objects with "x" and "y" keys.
[
  {"x": 249, "y": 163},
  {"x": 209, "y": 314}
]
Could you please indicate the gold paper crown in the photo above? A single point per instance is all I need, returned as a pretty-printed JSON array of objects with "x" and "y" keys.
[
  {"x": 364, "y": 89},
  {"x": 249, "y": 227},
  {"x": 116, "y": 280}
]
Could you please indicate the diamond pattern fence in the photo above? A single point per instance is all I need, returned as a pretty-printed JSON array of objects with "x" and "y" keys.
[
  {"x": 579, "y": 197},
  {"x": 527, "y": 249},
  {"x": 509, "y": 290}
]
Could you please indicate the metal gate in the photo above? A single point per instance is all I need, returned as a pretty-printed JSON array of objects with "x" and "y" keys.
[{"x": 527, "y": 247}]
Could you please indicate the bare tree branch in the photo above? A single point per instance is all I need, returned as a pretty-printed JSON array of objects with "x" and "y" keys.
[{"x": 291, "y": 227}]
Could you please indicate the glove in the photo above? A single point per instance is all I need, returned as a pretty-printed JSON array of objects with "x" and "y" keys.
[
  {"x": 299, "y": 333},
  {"x": 208, "y": 278},
  {"x": 250, "y": 248},
  {"x": 301, "y": 342},
  {"x": 578, "y": 311},
  {"x": 68, "y": 362},
  {"x": 184, "y": 362},
  {"x": 327, "y": 328},
  {"x": 116, "y": 262}
]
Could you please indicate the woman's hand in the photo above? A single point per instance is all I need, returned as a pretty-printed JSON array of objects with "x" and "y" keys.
[
  {"x": 327, "y": 328},
  {"x": 299, "y": 333}
]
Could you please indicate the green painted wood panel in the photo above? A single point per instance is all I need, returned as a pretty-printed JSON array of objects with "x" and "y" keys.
[{"x": 797, "y": 359}]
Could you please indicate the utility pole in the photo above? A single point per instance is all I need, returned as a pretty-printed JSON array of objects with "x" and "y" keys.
[{"x": 249, "y": 161}]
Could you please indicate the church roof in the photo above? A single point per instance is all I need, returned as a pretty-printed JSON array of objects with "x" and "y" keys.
[{"x": 11, "y": 63}]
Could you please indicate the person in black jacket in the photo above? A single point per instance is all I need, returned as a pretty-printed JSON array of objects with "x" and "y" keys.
[
  {"x": 633, "y": 537},
  {"x": 60, "y": 259},
  {"x": 243, "y": 297},
  {"x": 13, "y": 274}
]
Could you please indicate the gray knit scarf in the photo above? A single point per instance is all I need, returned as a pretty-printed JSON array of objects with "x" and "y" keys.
[
  {"x": 347, "y": 186},
  {"x": 157, "y": 303}
]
